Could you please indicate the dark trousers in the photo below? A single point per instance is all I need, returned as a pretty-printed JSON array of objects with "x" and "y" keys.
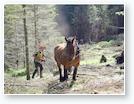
[{"x": 37, "y": 65}]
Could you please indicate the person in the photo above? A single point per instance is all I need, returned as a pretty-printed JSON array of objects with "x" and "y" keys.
[{"x": 39, "y": 58}]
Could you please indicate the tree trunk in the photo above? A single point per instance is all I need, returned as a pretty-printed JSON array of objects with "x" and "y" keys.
[
  {"x": 35, "y": 26},
  {"x": 26, "y": 43}
]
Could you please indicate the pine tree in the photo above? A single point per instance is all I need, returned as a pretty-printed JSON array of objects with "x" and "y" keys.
[{"x": 26, "y": 43}]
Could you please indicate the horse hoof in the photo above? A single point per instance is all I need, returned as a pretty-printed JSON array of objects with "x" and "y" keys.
[
  {"x": 62, "y": 79},
  {"x": 41, "y": 76},
  {"x": 65, "y": 79},
  {"x": 74, "y": 79}
]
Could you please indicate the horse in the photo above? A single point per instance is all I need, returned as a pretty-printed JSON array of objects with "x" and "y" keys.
[{"x": 65, "y": 55}]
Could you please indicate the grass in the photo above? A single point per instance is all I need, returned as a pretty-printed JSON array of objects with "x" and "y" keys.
[
  {"x": 91, "y": 54},
  {"x": 89, "y": 61},
  {"x": 96, "y": 62},
  {"x": 106, "y": 44},
  {"x": 16, "y": 72}
]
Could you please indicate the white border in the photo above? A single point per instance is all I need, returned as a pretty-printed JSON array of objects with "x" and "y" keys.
[
  {"x": 68, "y": 2},
  {"x": 89, "y": 94},
  {"x": 63, "y": 1}
]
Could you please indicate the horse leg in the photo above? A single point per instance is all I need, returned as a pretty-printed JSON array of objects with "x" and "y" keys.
[
  {"x": 74, "y": 73},
  {"x": 65, "y": 73},
  {"x": 60, "y": 72},
  {"x": 69, "y": 71}
]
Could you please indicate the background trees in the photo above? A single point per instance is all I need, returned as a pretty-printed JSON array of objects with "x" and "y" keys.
[
  {"x": 50, "y": 23},
  {"x": 26, "y": 42},
  {"x": 92, "y": 23}
]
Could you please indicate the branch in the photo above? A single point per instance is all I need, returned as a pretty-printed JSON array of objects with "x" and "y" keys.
[{"x": 116, "y": 27}]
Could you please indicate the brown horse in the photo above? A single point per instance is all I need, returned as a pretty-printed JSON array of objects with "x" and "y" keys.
[{"x": 66, "y": 55}]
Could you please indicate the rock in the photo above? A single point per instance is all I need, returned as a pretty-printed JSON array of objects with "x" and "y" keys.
[
  {"x": 103, "y": 59},
  {"x": 120, "y": 58}
]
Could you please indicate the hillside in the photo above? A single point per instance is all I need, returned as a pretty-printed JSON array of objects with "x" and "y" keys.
[{"x": 93, "y": 77}]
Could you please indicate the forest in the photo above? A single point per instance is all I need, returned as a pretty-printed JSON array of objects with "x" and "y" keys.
[{"x": 98, "y": 30}]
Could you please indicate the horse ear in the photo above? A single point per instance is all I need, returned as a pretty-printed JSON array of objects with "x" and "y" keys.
[
  {"x": 66, "y": 39},
  {"x": 74, "y": 36}
]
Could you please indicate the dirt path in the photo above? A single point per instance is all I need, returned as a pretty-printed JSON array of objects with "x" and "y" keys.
[
  {"x": 90, "y": 80},
  {"x": 93, "y": 77}
]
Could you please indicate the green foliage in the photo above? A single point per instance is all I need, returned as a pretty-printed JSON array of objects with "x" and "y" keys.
[
  {"x": 104, "y": 44},
  {"x": 88, "y": 22},
  {"x": 16, "y": 72},
  {"x": 10, "y": 11},
  {"x": 112, "y": 41},
  {"x": 90, "y": 62},
  {"x": 91, "y": 54}
]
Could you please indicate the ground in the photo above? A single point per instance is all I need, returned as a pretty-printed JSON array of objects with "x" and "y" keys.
[{"x": 93, "y": 77}]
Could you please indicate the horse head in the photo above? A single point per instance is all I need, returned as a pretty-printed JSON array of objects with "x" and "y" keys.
[{"x": 71, "y": 46}]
